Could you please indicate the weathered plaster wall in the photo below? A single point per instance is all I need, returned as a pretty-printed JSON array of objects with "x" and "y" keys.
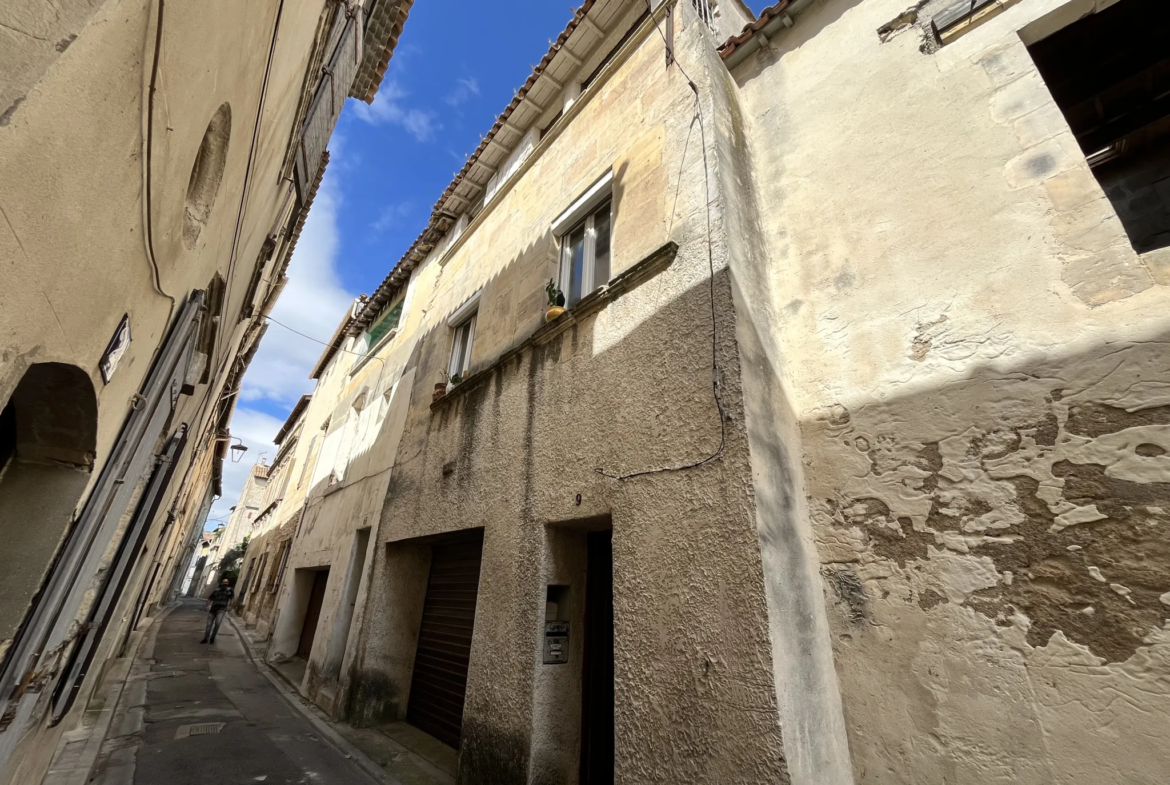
[
  {"x": 517, "y": 449},
  {"x": 976, "y": 358},
  {"x": 261, "y": 607},
  {"x": 356, "y": 416},
  {"x": 73, "y": 172}
]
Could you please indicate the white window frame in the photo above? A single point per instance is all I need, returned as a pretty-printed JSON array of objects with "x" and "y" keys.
[
  {"x": 581, "y": 213},
  {"x": 458, "y": 350}
]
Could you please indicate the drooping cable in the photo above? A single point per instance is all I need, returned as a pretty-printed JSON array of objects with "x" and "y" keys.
[{"x": 147, "y": 160}]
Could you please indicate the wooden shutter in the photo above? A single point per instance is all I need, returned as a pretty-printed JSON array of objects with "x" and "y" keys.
[
  {"x": 444, "y": 641},
  {"x": 337, "y": 75},
  {"x": 385, "y": 325}
]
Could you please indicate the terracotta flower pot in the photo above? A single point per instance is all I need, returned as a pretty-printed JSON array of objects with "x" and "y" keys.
[
  {"x": 440, "y": 391},
  {"x": 553, "y": 312}
]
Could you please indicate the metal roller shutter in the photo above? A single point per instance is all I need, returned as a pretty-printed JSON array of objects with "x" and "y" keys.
[{"x": 444, "y": 641}]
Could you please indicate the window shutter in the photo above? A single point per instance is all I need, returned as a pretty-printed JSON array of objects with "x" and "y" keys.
[
  {"x": 339, "y": 73},
  {"x": 385, "y": 325}
]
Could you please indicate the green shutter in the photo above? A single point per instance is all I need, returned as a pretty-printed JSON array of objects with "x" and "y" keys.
[{"x": 384, "y": 325}]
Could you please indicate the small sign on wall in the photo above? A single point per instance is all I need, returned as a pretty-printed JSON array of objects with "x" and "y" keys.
[
  {"x": 556, "y": 642},
  {"x": 116, "y": 349}
]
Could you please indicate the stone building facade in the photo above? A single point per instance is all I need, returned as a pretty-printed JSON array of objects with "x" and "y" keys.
[
  {"x": 961, "y": 330},
  {"x": 855, "y": 443},
  {"x": 157, "y": 163},
  {"x": 849, "y": 460},
  {"x": 274, "y": 529},
  {"x": 240, "y": 528}
]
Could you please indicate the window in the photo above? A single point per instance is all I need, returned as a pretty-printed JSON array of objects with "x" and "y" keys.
[
  {"x": 584, "y": 230},
  {"x": 585, "y": 255},
  {"x": 383, "y": 325},
  {"x": 464, "y": 333},
  {"x": 1109, "y": 74}
]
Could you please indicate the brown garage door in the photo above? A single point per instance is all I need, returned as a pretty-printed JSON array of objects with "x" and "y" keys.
[{"x": 444, "y": 641}]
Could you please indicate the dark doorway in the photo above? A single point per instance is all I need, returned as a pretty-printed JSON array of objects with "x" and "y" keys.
[
  {"x": 313, "y": 613},
  {"x": 439, "y": 683},
  {"x": 1109, "y": 73},
  {"x": 48, "y": 437},
  {"x": 597, "y": 725}
]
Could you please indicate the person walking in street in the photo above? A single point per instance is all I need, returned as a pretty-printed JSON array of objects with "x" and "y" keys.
[{"x": 217, "y": 605}]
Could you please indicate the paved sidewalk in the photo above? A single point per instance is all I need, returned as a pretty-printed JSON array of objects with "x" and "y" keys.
[
  {"x": 399, "y": 753},
  {"x": 205, "y": 716}
]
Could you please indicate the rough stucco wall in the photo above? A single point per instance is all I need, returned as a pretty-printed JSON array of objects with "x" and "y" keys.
[
  {"x": 626, "y": 389},
  {"x": 976, "y": 358},
  {"x": 807, "y": 692},
  {"x": 32, "y": 36}
]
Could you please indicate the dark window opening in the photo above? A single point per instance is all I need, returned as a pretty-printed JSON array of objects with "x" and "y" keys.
[
  {"x": 7, "y": 435},
  {"x": 1110, "y": 75},
  {"x": 209, "y": 329},
  {"x": 597, "y": 679}
]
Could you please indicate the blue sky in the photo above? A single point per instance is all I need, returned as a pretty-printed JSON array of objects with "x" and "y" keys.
[{"x": 456, "y": 67}]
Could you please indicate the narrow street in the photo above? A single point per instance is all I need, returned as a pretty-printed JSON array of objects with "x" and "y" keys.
[{"x": 209, "y": 716}]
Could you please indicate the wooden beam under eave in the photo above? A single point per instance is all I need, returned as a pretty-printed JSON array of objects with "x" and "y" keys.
[{"x": 588, "y": 22}]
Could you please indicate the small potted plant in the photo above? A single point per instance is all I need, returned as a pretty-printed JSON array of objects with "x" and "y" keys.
[
  {"x": 556, "y": 301},
  {"x": 453, "y": 381},
  {"x": 440, "y": 389}
]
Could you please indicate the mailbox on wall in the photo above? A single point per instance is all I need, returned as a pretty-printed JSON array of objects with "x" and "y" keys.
[{"x": 556, "y": 642}]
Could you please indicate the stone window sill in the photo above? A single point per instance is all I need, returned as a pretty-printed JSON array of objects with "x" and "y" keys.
[{"x": 627, "y": 281}]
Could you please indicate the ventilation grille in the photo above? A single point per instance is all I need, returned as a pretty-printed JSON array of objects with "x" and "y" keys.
[{"x": 205, "y": 729}]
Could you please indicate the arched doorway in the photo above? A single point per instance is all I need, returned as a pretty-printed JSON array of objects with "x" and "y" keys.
[{"x": 48, "y": 436}]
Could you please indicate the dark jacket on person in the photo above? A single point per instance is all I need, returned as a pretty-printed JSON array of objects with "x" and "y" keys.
[{"x": 221, "y": 597}]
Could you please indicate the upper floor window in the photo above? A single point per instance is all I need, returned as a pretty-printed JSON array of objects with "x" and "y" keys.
[
  {"x": 463, "y": 334},
  {"x": 385, "y": 323},
  {"x": 461, "y": 347},
  {"x": 584, "y": 231},
  {"x": 585, "y": 255},
  {"x": 1109, "y": 73}
]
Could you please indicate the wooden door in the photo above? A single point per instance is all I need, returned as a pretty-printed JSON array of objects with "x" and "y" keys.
[
  {"x": 313, "y": 613},
  {"x": 439, "y": 682}
]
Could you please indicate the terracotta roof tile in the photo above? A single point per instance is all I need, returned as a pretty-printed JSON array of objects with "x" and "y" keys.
[
  {"x": 440, "y": 222},
  {"x": 383, "y": 27},
  {"x": 765, "y": 17}
]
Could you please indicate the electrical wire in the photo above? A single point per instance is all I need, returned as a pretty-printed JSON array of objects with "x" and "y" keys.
[
  {"x": 345, "y": 351},
  {"x": 698, "y": 117},
  {"x": 147, "y": 159}
]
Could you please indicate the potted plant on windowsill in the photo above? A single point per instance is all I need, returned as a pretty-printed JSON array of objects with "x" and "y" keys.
[
  {"x": 440, "y": 389},
  {"x": 454, "y": 381},
  {"x": 556, "y": 301}
]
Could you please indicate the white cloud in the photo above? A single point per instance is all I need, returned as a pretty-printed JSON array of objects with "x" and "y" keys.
[
  {"x": 387, "y": 109},
  {"x": 464, "y": 89},
  {"x": 256, "y": 430},
  {"x": 313, "y": 303},
  {"x": 391, "y": 216}
]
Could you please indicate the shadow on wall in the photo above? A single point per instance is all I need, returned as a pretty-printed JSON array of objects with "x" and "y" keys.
[
  {"x": 1036, "y": 495},
  {"x": 48, "y": 437},
  {"x": 512, "y": 449}
]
